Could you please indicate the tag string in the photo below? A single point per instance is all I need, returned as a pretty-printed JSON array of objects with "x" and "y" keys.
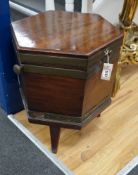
[{"x": 107, "y": 53}]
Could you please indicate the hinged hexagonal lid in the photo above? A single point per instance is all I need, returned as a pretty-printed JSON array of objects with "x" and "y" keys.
[{"x": 64, "y": 33}]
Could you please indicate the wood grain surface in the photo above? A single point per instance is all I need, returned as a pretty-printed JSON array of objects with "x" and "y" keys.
[
  {"x": 62, "y": 33},
  {"x": 107, "y": 143},
  {"x": 54, "y": 94}
]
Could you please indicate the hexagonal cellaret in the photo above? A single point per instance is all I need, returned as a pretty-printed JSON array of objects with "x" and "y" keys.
[{"x": 61, "y": 57}]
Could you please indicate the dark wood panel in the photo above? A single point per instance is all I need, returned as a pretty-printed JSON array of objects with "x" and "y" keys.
[
  {"x": 100, "y": 56},
  {"x": 54, "y": 94},
  {"x": 96, "y": 90}
]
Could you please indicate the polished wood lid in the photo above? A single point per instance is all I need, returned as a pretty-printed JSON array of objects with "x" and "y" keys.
[{"x": 64, "y": 33}]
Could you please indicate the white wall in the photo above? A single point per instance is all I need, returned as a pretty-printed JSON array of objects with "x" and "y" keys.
[{"x": 110, "y": 10}]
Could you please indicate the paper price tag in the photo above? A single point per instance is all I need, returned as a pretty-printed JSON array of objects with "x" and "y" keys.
[{"x": 107, "y": 71}]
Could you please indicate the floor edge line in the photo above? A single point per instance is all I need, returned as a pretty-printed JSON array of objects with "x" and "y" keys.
[
  {"x": 129, "y": 166},
  {"x": 40, "y": 146}
]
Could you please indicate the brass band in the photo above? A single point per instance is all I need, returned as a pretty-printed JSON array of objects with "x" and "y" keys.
[
  {"x": 55, "y": 71},
  {"x": 69, "y": 119},
  {"x": 39, "y": 59}
]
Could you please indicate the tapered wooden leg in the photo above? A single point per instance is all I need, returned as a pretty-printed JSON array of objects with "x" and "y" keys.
[
  {"x": 99, "y": 115},
  {"x": 55, "y": 135}
]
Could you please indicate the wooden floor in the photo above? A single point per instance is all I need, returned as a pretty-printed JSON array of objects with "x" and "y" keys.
[{"x": 108, "y": 142}]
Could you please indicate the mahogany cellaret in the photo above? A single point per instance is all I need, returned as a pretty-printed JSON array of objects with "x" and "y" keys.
[{"x": 61, "y": 57}]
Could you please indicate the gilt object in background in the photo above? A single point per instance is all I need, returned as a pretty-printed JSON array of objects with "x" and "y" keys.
[
  {"x": 129, "y": 53},
  {"x": 130, "y": 46},
  {"x": 129, "y": 50}
]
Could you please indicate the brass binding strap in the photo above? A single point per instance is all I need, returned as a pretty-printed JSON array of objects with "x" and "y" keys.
[
  {"x": 55, "y": 71},
  {"x": 70, "y": 119},
  {"x": 39, "y": 59}
]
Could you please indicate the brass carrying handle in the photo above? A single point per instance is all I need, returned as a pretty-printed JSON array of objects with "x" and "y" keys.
[{"x": 17, "y": 69}]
